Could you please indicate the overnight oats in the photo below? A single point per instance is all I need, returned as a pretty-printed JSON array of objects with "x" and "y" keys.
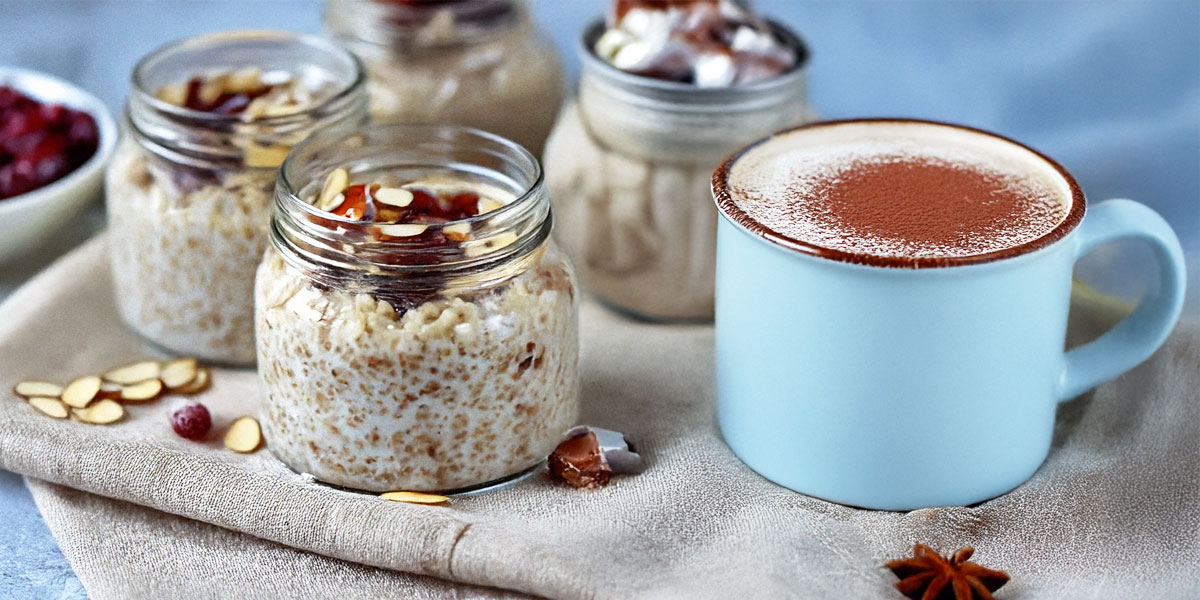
[
  {"x": 479, "y": 63},
  {"x": 190, "y": 189},
  {"x": 668, "y": 89},
  {"x": 417, "y": 328}
]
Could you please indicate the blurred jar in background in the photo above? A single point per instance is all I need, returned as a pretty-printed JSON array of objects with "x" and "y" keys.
[
  {"x": 666, "y": 92},
  {"x": 478, "y": 63},
  {"x": 190, "y": 189}
]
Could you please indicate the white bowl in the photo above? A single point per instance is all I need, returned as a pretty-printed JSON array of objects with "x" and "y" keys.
[{"x": 27, "y": 219}]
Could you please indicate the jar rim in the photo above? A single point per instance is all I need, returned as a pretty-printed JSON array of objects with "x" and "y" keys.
[{"x": 148, "y": 97}]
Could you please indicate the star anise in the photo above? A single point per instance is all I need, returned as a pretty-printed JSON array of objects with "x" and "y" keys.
[{"x": 930, "y": 576}]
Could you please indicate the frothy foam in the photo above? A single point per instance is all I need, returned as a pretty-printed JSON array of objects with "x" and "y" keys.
[{"x": 907, "y": 190}]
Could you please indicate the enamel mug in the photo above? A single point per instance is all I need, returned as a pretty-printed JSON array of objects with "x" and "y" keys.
[{"x": 900, "y": 388}]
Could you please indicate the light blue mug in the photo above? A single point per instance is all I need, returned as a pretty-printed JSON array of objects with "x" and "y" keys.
[{"x": 904, "y": 388}]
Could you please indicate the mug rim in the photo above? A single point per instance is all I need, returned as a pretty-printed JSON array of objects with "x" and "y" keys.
[{"x": 731, "y": 211}]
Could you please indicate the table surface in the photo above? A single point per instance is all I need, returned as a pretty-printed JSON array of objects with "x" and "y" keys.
[{"x": 1110, "y": 89}]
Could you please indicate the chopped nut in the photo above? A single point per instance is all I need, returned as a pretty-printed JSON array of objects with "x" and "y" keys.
[
  {"x": 458, "y": 232},
  {"x": 29, "y": 389},
  {"x": 244, "y": 435},
  {"x": 255, "y": 155},
  {"x": 492, "y": 244},
  {"x": 402, "y": 229},
  {"x": 49, "y": 406},
  {"x": 337, "y": 181},
  {"x": 175, "y": 93},
  {"x": 243, "y": 80},
  {"x": 414, "y": 497},
  {"x": 82, "y": 391},
  {"x": 394, "y": 197},
  {"x": 178, "y": 373},
  {"x": 141, "y": 392},
  {"x": 197, "y": 385},
  {"x": 135, "y": 373},
  {"x": 487, "y": 205},
  {"x": 101, "y": 413}
]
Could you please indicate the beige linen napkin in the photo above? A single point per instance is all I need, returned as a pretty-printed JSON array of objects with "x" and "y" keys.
[{"x": 1114, "y": 512}]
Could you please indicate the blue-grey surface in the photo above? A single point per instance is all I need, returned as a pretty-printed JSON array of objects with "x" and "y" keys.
[{"x": 1111, "y": 89}]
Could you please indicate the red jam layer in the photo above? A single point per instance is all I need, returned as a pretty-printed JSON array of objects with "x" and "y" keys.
[{"x": 427, "y": 207}]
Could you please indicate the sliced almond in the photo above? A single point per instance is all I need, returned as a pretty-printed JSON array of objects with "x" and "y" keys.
[
  {"x": 101, "y": 413},
  {"x": 178, "y": 373},
  {"x": 335, "y": 184},
  {"x": 245, "y": 79},
  {"x": 492, "y": 244},
  {"x": 135, "y": 373},
  {"x": 244, "y": 435},
  {"x": 333, "y": 203},
  {"x": 487, "y": 205},
  {"x": 49, "y": 406},
  {"x": 197, "y": 385},
  {"x": 414, "y": 497},
  {"x": 402, "y": 229},
  {"x": 29, "y": 389},
  {"x": 256, "y": 155},
  {"x": 394, "y": 196},
  {"x": 458, "y": 232},
  {"x": 141, "y": 392},
  {"x": 82, "y": 391}
]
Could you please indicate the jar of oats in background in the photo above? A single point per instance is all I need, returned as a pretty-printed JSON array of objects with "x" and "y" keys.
[
  {"x": 664, "y": 95},
  {"x": 189, "y": 190},
  {"x": 417, "y": 327},
  {"x": 479, "y": 63}
]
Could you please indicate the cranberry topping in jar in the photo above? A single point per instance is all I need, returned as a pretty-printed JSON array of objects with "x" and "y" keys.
[{"x": 40, "y": 143}]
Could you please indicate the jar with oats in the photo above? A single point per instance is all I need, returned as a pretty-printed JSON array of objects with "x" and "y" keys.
[
  {"x": 666, "y": 92},
  {"x": 417, "y": 327},
  {"x": 479, "y": 63},
  {"x": 189, "y": 190}
]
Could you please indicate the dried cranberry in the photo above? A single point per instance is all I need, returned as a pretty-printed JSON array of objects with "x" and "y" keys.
[
  {"x": 192, "y": 421},
  {"x": 40, "y": 143}
]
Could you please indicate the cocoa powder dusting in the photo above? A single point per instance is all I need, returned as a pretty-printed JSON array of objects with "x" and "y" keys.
[{"x": 921, "y": 206}]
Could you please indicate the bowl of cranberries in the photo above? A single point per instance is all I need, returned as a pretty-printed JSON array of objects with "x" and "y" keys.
[{"x": 55, "y": 139}]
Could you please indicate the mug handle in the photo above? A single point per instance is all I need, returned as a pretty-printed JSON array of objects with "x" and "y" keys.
[{"x": 1138, "y": 335}]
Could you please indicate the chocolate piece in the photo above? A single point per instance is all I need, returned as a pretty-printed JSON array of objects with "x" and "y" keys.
[
  {"x": 621, "y": 455},
  {"x": 579, "y": 462},
  {"x": 588, "y": 456}
]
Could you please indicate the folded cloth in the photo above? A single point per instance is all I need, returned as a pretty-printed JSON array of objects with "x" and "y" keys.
[{"x": 1114, "y": 511}]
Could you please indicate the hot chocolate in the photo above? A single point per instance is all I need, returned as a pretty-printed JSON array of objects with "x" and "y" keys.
[{"x": 899, "y": 194}]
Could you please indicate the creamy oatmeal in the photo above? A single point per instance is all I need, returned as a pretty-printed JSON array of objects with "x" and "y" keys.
[
  {"x": 479, "y": 63},
  {"x": 630, "y": 162},
  {"x": 189, "y": 189},
  {"x": 391, "y": 361}
]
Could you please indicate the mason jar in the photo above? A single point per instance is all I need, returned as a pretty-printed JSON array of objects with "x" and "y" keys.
[
  {"x": 189, "y": 191},
  {"x": 630, "y": 165},
  {"x": 437, "y": 362},
  {"x": 479, "y": 63}
]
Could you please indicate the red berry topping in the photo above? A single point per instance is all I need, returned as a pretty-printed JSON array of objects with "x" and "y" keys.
[{"x": 192, "y": 421}]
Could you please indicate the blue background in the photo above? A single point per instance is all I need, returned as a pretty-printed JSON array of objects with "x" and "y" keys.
[{"x": 1110, "y": 89}]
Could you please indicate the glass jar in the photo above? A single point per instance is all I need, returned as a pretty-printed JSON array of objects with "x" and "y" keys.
[
  {"x": 189, "y": 192},
  {"x": 630, "y": 165},
  {"x": 478, "y": 63},
  {"x": 390, "y": 364}
]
